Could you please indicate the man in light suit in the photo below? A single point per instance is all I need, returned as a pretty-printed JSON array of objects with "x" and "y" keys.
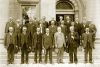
[
  {"x": 87, "y": 39},
  {"x": 10, "y": 44},
  {"x": 60, "y": 44},
  {"x": 48, "y": 44}
]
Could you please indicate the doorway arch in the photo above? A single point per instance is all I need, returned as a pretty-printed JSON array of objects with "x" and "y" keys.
[{"x": 79, "y": 8}]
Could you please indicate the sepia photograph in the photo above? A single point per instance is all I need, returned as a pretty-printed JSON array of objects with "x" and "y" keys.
[{"x": 49, "y": 33}]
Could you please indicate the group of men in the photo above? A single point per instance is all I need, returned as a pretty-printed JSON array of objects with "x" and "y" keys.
[{"x": 39, "y": 36}]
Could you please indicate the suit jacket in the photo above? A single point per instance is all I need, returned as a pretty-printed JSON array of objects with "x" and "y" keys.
[
  {"x": 45, "y": 23},
  {"x": 36, "y": 23},
  {"x": 43, "y": 29},
  {"x": 93, "y": 30},
  {"x": 24, "y": 39},
  {"x": 47, "y": 41},
  {"x": 84, "y": 27},
  {"x": 59, "y": 39},
  {"x": 10, "y": 39},
  {"x": 18, "y": 28},
  {"x": 31, "y": 28},
  {"x": 78, "y": 28},
  {"x": 36, "y": 40},
  {"x": 73, "y": 42},
  {"x": 68, "y": 24},
  {"x": 12, "y": 24},
  {"x": 54, "y": 22},
  {"x": 64, "y": 30},
  {"x": 53, "y": 29},
  {"x": 87, "y": 38}
]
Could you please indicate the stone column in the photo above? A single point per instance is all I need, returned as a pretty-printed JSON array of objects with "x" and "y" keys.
[
  {"x": 93, "y": 13},
  {"x": 48, "y": 9},
  {"x": 4, "y": 15}
]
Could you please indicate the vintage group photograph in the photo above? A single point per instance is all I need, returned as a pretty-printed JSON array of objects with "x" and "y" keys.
[{"x": 49, "y": 33}]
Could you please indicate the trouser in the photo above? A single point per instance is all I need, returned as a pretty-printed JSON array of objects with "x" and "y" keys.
[
  {"x": 73, "y": 55},
  {"x": 38, "y": 52},
  {"x": 88, "y": 51},
  {"x": 10, "y": 52},
  {"x": 48, "y": 51},
  {"x": 18, "y": 39},
  {"x": 60, "y": 55},
  {"x": 24, "y": 54}
]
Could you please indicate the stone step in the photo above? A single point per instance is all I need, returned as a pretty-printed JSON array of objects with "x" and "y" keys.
[{"x": 31, "y": 61}]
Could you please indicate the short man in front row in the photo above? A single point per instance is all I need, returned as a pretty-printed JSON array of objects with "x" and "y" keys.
[
  {"x": 10, "y": 43},
  {"x": 24, "y": 46},
  {"x": 37, "y": 45},
  {"x": 87, "y": 45},
  {"x": 60, "y": 44},
  {"x": 72, "y": 45},
  {"x": 48, "y": 44}
]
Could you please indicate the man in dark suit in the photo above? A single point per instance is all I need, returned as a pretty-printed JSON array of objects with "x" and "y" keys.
[
  {"x": 37, "y": 45},
  {"x": 68, "y": 23},
  {"x": 10, "y": 44},
  {"x": 60, "y": 20},
  {"x": 18, "y": 28},
  {"x": 87, "y": 45},
  {"x": 53, "y": 28},
  {"x": 72, "y": 45},
  {"x": 10, "y": 23},
  {"x": 45, "y": 23},
  {"x": 63, "y": 29},
  {"x": 24, "y": 45},
  {"x": 31, "y": 29},
  {"x": 48, "y": 44},
  {"x": 78, "y": 29},
  {"x": 42, "y": 27},
  {"x": 93, "y": 30},
  {"x": 36, "y": 22},
  {"x": 52, "y": 20}
]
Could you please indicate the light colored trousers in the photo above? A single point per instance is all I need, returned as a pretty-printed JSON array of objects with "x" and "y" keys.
[{"x": 60, "y": 54}]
